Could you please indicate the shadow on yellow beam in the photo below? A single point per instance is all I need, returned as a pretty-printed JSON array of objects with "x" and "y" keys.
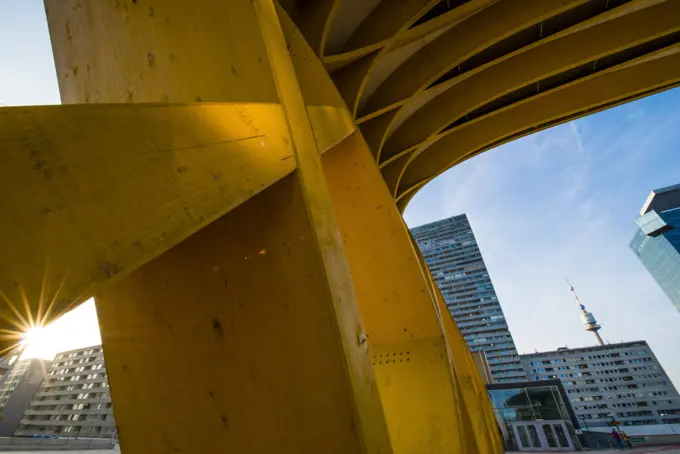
[{"x": 91, "y": 192}]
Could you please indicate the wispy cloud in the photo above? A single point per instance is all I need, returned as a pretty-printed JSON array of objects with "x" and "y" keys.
[{"x": 561, "y": 203}]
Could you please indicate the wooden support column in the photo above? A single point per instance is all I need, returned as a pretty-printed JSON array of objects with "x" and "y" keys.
[
  {"x": 474, "y": 397},
  {"x": 246, "y": 336},
  {"x": 229, "y": 342},
  {"x": 301, "y": 321},
  {"x": 422, "y": 396}
]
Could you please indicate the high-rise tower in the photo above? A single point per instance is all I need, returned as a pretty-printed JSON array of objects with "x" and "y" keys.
[
  {"x": 588, "y": 318},
  {"x": 455, "y": 261},
  {"x": 657, "y": 241}
]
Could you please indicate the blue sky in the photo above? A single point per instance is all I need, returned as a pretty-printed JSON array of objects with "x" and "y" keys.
[
  {"x": 27, "y": 75},
  {"x": 558, "y": 203},
  {"x": 562, "y": 202}
]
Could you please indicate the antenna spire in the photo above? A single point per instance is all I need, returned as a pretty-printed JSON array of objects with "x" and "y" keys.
[{"x": 588, "y": 318}]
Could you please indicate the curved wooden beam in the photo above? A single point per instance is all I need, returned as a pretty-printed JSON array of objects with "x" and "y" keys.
[
  {"x": 368, "y": 70},
  {"x": 387, "y": 20},
  {"x": 467, "y": 38},
  {"x": 534, "y": 66},
  {"x": 599, "y": 13},
  {"x": 316, "y": 85},
  {"x": 359, "y": 72},
  {"x": 393, "y": 171},
  {"x": 646, "y": 75},
  {"x": 335, "y": 61},
  {"x": 405, "y": 199},
  {"x": 348, "y": 16},
  {"x": 372, "y": 131},
  {"x": 406, "y": 88},
  {"x": 313, "y": 18}
]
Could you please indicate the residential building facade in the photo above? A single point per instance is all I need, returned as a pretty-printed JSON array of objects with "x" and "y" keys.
[
  {"x": 450, "y": 250},
  {"x": 5, "y": 367},
  {"x": 74, "y": 399},
  {"x": 657, "y": 240},
  {"x": 623, "y": 382},
  {"x": 19, "y": 387}
]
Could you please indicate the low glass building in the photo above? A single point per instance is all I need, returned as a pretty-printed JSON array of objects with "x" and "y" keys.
[{"x": 535, "y": 416}]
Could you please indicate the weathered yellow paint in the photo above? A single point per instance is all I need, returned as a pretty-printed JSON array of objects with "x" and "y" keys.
[
  {"x": 256, "y": 365},
  {"x": 404, "y": 334},
  {"x": 90, "y": 210},
  {"x": 158, "y": 51},
  {"x": 87, "y": 209},
  {"x": 368, "y": 422}
]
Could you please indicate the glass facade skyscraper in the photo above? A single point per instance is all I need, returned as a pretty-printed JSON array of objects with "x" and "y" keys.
[
  {"x": 455, "y": 261},
  {"x": 657, "y": 241}
]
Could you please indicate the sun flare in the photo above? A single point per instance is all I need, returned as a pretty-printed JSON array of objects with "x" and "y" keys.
[{"x": 75, "y": 329}]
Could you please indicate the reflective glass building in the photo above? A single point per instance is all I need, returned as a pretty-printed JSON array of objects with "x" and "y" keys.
[
  {"x": 657, "y": 241},
  {"x": 455, "y": 261}
]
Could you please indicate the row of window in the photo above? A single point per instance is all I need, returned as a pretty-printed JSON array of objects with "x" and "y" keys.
[
  {"x": 628, "y": 414},
  {"x": 582, "y": 358},
  {"x": 27, "y": 429},
  {"x": 88, "y": 352},
  {"x": 71, "y": 417},
  {"x": 102, "y": 395},
  {"x": 67, "y": 407},
  {"x": 608, "y": 380},
  {"x": 51, "y": 389},
  {"x": 72, "y": 362},
  {"x": 580, "y": 409},
  {"x": 451, "y": 251},
  {"x": 651, "y": 403},
  {"x": 75, "y": 370},
  {"x": 95, "y": 376}
]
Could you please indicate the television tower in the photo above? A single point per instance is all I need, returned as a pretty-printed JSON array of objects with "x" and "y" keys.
[{"x": 588, "y": 318}]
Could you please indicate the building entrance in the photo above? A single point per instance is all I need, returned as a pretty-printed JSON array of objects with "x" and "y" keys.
[{"x": 542, "y": 436}]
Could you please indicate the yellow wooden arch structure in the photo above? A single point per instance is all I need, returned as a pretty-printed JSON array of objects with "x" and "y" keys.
[{"x": 226, "y": 178}]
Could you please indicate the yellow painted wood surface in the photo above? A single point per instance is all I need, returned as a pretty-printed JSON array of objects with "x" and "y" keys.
[
  {"x": 292, "y": 310},
  {"x": 93, "y": 192},
  {"x": 407, "y": 346},
  {"x": 132, "y": 51},
  {"x": 368, "y": 423},
  {"x": 229, "y": 342}
]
